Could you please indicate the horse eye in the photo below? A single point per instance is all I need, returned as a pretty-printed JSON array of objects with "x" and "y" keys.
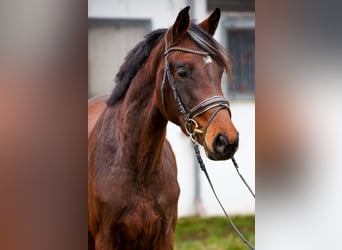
[{"x": 181, "y": 73}]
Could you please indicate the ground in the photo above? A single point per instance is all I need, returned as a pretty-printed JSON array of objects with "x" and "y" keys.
[{"x": 215, "y": 233}]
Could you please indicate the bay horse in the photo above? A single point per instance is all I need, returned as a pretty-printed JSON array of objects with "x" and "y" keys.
[{"x": 172, "y": 75}]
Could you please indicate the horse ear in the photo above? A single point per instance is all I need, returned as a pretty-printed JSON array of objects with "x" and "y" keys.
[
  {"x": 210, "y": 24},
  {"x": 179, "y": 28}
]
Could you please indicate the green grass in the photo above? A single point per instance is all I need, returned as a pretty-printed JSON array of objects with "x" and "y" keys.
[{"x": 193, "y": 233}]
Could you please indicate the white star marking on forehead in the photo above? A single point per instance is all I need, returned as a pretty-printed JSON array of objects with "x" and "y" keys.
[{"x": 207, "y": 59}]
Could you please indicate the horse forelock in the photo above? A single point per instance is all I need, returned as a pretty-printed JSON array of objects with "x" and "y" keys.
[{"x": 207, "y": 43}]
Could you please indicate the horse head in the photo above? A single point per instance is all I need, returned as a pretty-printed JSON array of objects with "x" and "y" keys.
[{"x": 190, "y": 93}]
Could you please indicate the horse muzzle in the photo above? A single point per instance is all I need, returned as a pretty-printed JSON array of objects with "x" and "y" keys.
[
  {"x": 222, "y": 149},
  {"x": 218, "y": 135}
]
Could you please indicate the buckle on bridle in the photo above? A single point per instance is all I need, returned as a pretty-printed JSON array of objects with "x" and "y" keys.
[{"x": 191, "y": 128}]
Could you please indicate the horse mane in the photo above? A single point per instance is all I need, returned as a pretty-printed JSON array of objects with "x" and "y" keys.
[{"x": 136, "y": 58}]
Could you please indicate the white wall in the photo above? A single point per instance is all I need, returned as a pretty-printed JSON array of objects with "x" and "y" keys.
[
  {"x": 232, "y": 192},
  {"x": 161, "y": 12}
]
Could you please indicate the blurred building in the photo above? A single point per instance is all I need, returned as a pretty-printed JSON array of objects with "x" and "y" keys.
[{"x": 116, "y": 26}]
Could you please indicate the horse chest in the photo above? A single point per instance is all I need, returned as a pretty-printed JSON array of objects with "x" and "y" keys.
[
  {"x": 149, "y": 205},
  {"x": 145, "y": 219},
  {"x": 141, "y": 214}
]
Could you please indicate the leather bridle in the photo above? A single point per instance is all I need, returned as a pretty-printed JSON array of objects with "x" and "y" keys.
[
  {"x": 191, "y": 126},
  {"x": 189, "y": 115}
]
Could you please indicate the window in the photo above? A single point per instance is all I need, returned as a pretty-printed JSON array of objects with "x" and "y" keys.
[
  {"x": 241, "y": 45},
  {"x": 109, "y": 41},
  {"x": 239, "y": 39}
]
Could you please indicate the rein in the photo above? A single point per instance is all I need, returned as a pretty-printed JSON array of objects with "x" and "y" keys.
[{"x": 191, "y": 126}]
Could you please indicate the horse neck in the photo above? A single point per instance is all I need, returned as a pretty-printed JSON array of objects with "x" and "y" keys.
[{"x": 142, "y": 127}]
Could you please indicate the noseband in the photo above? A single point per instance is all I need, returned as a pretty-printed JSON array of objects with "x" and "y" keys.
[{"x": 189, "y": 115}]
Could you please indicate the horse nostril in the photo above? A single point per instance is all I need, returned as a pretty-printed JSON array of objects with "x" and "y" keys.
[{"x": 220, "y": 143}]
